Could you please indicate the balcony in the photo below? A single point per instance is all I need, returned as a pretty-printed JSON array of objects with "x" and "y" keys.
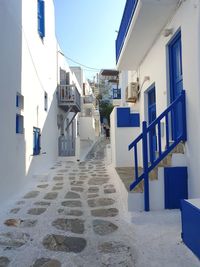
[
  {"x": 141, "y": 24},
  {"x": 125, "y": 24},
  {"x": 69, "y": 98},
  {"x": 88, "y": 99}
]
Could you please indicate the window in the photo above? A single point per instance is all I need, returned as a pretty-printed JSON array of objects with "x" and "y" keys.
[
  {"x": 41, "y": 18},
  {"x": 36, "y": 141},
  {"x": 19, "y": 101},
  {"x": 19, "y": 124},
  {"x": 116, "y": 93},
  {"x": 45, "y": 101},
  {"x": 83, "y": 88}
]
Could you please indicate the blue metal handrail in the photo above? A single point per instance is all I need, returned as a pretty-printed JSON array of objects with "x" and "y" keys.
[
  {"x": 149, "y": 162},
  {"x": 125, "y": 24}
]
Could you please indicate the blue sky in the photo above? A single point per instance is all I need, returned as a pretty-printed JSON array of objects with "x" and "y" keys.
[{"x": 86, "y": 30}]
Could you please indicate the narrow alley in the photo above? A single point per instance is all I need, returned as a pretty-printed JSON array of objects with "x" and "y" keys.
[{"x": 73, "y": 219}]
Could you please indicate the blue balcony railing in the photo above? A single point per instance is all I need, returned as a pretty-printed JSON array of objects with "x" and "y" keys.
[
  {"x": 176, "y": 113},
  {"x": 125, "y": 24}
]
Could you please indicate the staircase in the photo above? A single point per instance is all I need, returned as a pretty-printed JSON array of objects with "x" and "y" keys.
[{"x": 175, "y": 114}]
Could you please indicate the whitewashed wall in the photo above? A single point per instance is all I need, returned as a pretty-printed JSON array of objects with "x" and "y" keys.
[
  {"x": 33, "y": 67},
  {"x": 12, "y": 160},
  {"x": 120, "y": 140},
  {"x": 155, "y": 65},
  {"x": 87, "y": 128},
  {"x": 39, "y": 68}
]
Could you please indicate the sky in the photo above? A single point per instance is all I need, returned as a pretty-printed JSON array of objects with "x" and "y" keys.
[{"x": 86, "y": 31}]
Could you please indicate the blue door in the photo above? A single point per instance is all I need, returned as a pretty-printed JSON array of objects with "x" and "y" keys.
[
  {"x": 151, "y": 118},
  {"x": 176, "y": 82}
]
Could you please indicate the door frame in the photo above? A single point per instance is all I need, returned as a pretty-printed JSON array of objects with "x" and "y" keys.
[
  {"x": 146, "y": 102},
  {"x": 170, "y": 67},
  {"x": 174, "y": 38}
]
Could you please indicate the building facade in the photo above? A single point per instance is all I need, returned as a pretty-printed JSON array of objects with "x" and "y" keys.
[
  {"x": 40, "y": 95},
  {"x": 157, "y": 61}
]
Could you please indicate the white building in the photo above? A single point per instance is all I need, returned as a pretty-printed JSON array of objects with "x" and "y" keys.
[
  {"x": 28, "y": 93},
  {"x": 158, "y": 56},
  {"x": 111, "y": 78},
  {"x": 89, "y": 118},
  {"x": 69, "y": 102},
  {"x": 40, "y": 95}
]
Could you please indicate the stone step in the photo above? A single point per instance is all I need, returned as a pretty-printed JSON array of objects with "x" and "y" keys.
[
  {"x": 180, "y": 148},
  {"x": 127, "y": 174}
]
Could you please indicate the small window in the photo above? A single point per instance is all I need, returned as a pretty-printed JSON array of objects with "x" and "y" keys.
[
  {"x": 19, "y": 124},
  {"x": 83, "y": 88},
  {"x": 41, "y": 18},
  {"x": 45, "y": 101},
  {"x": 116, "y": 93},
  {"x": 19, "y": 101},
  {"x": 36, "y": 141}
]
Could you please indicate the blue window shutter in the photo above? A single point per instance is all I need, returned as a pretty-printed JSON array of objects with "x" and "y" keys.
[
  {"x": 36, "y": 141},
  {"x": 41, "y": 18},
  {"x": 17, "y": 123},
  {"x": 17, "y": 100}
]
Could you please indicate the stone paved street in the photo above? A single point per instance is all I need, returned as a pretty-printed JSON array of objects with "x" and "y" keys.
[{"x": 73, "y": 219}]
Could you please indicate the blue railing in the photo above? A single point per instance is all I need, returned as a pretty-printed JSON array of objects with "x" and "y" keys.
[
  {"x": 125, "y": 24},
  {"x": 175, "y": 114}
]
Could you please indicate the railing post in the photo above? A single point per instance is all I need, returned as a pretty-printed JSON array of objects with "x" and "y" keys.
[
  {"x": 184, "y": 125},
  {"x": 145, "y": 166},
  {"x": 136, "y": 162}
]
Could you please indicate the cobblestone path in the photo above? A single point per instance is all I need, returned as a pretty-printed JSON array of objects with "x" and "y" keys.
[{"x": 72, "y": 220}]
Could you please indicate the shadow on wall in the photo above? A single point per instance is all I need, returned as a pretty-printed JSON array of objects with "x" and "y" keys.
[
  {"x": 40, "y": 164},
  {"x": 12, "y": 159},
  {"x": 19, "y": 174}
]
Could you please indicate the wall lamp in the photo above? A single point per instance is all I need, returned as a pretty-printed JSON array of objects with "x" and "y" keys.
[{"x": 167, "y": 32}]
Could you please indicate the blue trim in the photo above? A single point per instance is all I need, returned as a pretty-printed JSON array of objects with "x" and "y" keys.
[
  {"x": 36, "y": 141},
  {"x": 190, "y": 216},
  {"x": 145, "y": 166},
  {"x": 176, "y": 188},
  {"x": 41, "y": 18},
  {"x": 129, "y": 11},
  {"x": 180, "y": 100},
  {"x": 176, "y": 79},
  {"x": 127, "y": 119},
  {"x": 19, "y": 128},
  {"x": 17, "y": 100},
  {"x": 17, "y": 123},
  {"x": 151, "y": 118}
]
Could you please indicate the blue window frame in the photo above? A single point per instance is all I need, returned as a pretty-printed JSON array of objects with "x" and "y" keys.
[
  {"x": 116, "y": 93},
  {"x": 36, "y": 141},
  {"x": 19, "y": 124},
  {"x": 151, "y": 118},
  {"x": 19, "y": 101},
  {"x": 176, "y": 81},
  {"x": 41, "y": 18}
]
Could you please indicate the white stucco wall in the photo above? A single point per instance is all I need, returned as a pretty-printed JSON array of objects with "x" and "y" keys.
[
  {"x": 32, "y": 65},
  {"x": 87, "y": 128},
  {"x": 39, "y": 69},
  {"x": 155, "y": 65},
  {"x": 12, "y": 163},
  {"x": 120, "y": 140}
]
